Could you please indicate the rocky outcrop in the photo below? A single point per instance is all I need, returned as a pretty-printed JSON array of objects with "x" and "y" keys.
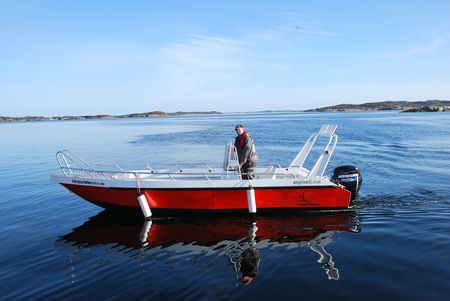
[
  {"x": 40, "y": 118},
  {"x": 434, "y": 108},
  {"x": 406, "y": 106}
]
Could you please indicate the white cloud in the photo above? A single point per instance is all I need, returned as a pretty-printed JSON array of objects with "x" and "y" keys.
[
  {"x": 436, "y": 42},
  {"x": 200, "y": 61},
  {"x": 195, "y": 70},
  {"x": 313, "y": 32},
  {"x": 202, "y": 51}
]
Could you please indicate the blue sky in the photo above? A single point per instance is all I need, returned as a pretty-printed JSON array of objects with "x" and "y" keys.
[{"x": 118, "y": 57}]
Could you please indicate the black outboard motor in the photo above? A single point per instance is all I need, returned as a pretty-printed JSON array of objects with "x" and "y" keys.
[{"x": 349, "y": 177}]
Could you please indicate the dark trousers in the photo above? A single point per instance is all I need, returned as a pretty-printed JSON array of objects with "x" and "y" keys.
[{"x": 247, "y": 170}]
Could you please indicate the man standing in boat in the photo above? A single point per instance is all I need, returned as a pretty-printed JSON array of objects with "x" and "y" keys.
[{"x": 246, "y": 152}]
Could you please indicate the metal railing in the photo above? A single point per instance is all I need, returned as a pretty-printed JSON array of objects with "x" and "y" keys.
[
  {"x": 73, "y": 166},
  {"x": 173, "y": 175},
  {"x": 327, "y": 130},
  {"x": 131, "y": 174}
]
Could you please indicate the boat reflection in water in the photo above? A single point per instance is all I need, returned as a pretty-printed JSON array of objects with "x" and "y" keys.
[{"x": 238, "y": 238}]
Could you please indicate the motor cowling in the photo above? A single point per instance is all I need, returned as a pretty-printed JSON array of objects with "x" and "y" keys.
[{"x": 349, "y": 177}]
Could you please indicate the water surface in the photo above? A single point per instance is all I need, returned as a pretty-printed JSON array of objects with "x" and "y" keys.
[{"x": 394, "y": 244}]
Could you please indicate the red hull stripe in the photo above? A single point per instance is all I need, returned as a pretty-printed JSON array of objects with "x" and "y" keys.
[{"x": 218, "y": 199}]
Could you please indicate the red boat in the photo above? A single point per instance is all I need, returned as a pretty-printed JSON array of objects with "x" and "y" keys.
[{"x": 163, "y": 192}]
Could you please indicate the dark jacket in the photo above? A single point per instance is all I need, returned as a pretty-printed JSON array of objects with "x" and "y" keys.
[{"x": 245, "y": 148}]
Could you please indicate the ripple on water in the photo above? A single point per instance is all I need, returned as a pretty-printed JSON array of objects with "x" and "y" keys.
[{"x": 393, "y": 243}]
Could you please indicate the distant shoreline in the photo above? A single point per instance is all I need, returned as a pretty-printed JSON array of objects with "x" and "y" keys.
[
  {"x": 90, "y": 117},
  {"x": 403, "y": 106}
]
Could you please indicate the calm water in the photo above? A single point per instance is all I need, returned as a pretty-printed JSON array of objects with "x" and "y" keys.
[{"x": 394, "y": 245}]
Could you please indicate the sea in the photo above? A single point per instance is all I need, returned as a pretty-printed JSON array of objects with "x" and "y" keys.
[{"x": 393, "y": 244}]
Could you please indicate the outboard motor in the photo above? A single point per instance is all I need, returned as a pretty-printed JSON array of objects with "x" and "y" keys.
[{"x": 349, "y": 177}]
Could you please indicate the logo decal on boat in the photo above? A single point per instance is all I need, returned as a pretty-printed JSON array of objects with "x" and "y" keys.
[
  {"x": 306, "y": 182},
  {"x": 88, "y": 182}
]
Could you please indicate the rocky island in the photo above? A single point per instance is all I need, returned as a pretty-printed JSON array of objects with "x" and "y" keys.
[
  {"x": 404, "y": 106},
  {"x": 86, "y": 117}
]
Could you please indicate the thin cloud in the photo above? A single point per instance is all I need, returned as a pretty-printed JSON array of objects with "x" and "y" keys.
[
  {"x": 324, "y": 33},
  {"x": 271, "y": 34},
  {"x": 305, "y": 24},
  {"x": 436, "y": 42},
  {"x": 200, "y": 50},
  {"x": 202, "y": 62}
]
